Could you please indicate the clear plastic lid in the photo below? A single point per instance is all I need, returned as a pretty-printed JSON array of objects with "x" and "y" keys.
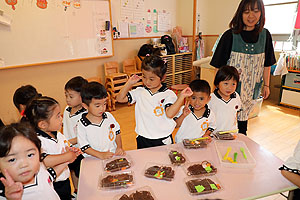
[
  {"x": 144, "y": 193},
  {"x": 116, "y": 180},
  {"x": 200, "y": 169},
  {"x": 195, "y": 143},
  {"x": 177, "y": 155},
  {"x": 159, "y": 171},
  {"x": 198, "y": 186},
  {"x": 117, "y": 163}
]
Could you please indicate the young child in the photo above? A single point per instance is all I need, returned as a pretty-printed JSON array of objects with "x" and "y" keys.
[
  {"x": 156, "y": 105},
  {"x": 195, "y": 118},
  {"x": 44, "y": 114},
  {"x": 225, "y": 99},
  {"x": 25, "y": 176},
  {"x": 23, "y": 95},
  {"x": 291, "y": 170},
  {"x": 74, "y": 109},
  {"x": 98, "y": 132}
]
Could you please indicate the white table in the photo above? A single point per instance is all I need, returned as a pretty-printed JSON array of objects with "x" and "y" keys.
[{"x": 264, "y": 180}]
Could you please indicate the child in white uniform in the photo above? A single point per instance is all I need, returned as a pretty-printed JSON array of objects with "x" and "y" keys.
[
  {"x": 98, "y": 132},
  {"x": 156, "y": 105},
  {"x": 25, "y": 177},
  {"x": 44, "y": 114},
  {"x": 225, "y": 101},
  {"x": 195, "y": 118}
]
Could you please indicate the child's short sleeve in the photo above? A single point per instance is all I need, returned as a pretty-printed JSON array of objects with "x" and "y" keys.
[
  {"x": 170, "y": 99},
  {"x": 212, "y": 121},
  {"x": 294, "y": 161},
  {"x": 133, "y": 95},
  {"x": 82, "y": 137}
]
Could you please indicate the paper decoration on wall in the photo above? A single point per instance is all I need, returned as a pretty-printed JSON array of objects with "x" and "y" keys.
[
  {"x": 102, "y": 35},
  {"x": 164, "y": 21},
  {"x": 76, "y": 4},
  {"x": 12, "y": 3},
  {"x": 66, "y": 3},
  {"x": 155, "y": 21},
  {"x": 42, "y": 4},
  {"x": 148, "y": 28}
]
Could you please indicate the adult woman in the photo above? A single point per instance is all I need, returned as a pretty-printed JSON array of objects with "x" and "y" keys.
[{"x": 247, "y": 45}]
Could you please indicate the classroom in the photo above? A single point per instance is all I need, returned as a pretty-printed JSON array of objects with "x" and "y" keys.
[{"x": 46, "y": 43}]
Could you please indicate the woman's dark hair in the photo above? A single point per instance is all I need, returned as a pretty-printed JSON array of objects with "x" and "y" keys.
[
  {"x": 92, "y": 90},
  {"x": 75, "y": 83},
  {"x": 24, "y": 94},
  {"x": 226, "y": 73},
  {"x": 40, "y": 109},
  {"x": 237, "y": 23},
  {"x": 9, "y": 132},
  {"x": 155, "y": 64},
  {"x": 199, "y": 85}
]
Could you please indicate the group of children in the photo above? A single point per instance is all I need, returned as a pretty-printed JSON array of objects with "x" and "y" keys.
[{"x": 27, "y": 152}]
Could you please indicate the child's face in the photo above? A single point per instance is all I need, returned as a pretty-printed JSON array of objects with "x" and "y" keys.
[
  {"x": 226, "y": 88},
  {"x": 22, "y": 161},
  {"x": 199, "y": 99},
  {"x": 151, "y": 80},
  {"x": 55, "y": 121},
  {"x": 251, "y": 17},
  {"x": 73, "y": 98},
  {"x": 97, "y": 107}
]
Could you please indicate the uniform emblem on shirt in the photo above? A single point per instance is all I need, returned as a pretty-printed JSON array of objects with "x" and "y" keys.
[
  {"x": 111, "y": 134},
  {"x": 204, "y": 125},
  {"x": 158, "y": 111}
]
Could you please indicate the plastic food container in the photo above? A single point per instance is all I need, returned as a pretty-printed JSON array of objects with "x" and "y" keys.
[
  {"x": 199, "y": 186},
  {"x": 117, "y": 163},
  {"x": 195, "y": 143},
  {"x": 111, "y": 181},
  {"x": 159, "y": 171},
  {"x": 177, "y": 156},
  {"x": 200, "y": 169},
  {"x": 144, "y": 193},
  {"x": 230, "y": 154},
  {"x": 225, "y": 136}
]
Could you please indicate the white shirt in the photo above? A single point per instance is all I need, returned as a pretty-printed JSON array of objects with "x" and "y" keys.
[
  {"x": 150, "y": 111},
  {"x": 193, "y": 127},
  {"x": 293, "y": 162},
  {"x": 100, "y": 137},
  {"x": 70, "y": 121},
  {"x": 225, "y": 111},
  {"x": 53, "y": 146}
]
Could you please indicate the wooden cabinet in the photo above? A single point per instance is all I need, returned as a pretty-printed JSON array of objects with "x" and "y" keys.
[
  {"x": 179, "y": 69},
  {"x": 290, "y": 89}
]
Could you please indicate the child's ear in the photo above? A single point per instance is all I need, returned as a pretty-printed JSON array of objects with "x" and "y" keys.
[
  {"x": 163, "y": 78},
  {"x": 42, "y": 124}
]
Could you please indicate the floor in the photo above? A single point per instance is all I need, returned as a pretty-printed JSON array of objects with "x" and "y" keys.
[{"x": 276, "y": 128}]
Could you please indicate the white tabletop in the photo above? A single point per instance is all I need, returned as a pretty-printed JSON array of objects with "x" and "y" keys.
[{"x": 263, "y": 180}]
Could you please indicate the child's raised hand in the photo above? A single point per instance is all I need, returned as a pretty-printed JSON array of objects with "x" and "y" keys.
[
  {"x": 13, "y": 190},
  {"x": 186, "y": 111},
  {"x": 120, "y": 152},
  {"x": 187, "y": 92},
  {"x": 134, "y": 79}
]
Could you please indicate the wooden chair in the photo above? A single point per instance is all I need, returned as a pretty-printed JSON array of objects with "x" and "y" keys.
[
  {"x": 114, "y": 80},
  {"x": 97, "y": 79},
  {"x": 129, "y": 67}
]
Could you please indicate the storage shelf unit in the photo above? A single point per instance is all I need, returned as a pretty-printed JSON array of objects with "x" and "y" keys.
[
  {"x": 179, "y": 69},
  {"x": 290, "y": 89}
]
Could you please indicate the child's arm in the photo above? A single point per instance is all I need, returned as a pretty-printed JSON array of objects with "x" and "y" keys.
[
  {"x": 207, "y": 134},
  {"x": 294, "y": 178},
  {"x": 174, "y": 108},
  {"x": 56, "y": 159},
  {"x": 185, "y": 112},
  {"x": 13, "y": 190},
  {"x": 73, "y": 140},
  {"x": 60, "y": 168},
  {"x": 122, "y": 95},
  {"x": 119, "y": 150},
  {"x": 98, "y": 154}
]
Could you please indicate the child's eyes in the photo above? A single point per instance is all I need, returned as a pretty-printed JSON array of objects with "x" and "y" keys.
[
  {"x": 12, "y": 160},
  {"x": 30, "y": 155},
  {"x": 201, "y": 98},
  {"x": 193, "y": 98}
]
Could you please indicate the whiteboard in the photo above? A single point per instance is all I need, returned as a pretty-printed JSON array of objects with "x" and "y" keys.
[{"x": 54, "y": 34}]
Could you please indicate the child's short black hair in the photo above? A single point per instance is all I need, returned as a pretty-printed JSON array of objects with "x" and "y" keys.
[
  {"x": 92, "y": 90},
  {"x": 75, "y": 83},
  {"x": 155, "y": 64},
  {"x": 24, "y": 94},
  {"x": 9, "y": 132},
  {"x": 199, "y": 85},
  {"x": 226, "y": 73}
]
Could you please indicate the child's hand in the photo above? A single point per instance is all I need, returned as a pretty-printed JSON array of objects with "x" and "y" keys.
[
  {"x": 71, "y": 155},
  {"x": 134, "y": 79},
  {"x": 106, "y": 155},
  {"x": 186, "y": 111},
  {"x": 187, "y": 92},
  {"x": 120, "y": 152},
  {"x": 13, "y": 190},
  {"x": 76, "y": 150},
  {"x": 209, "y": 138}
]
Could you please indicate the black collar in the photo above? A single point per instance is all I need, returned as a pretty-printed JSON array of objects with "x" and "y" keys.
[
  {"x": 77, "y": 112},
  {"x": 45, "y": 135},
  {"x": 205, "y": 114},
  {"x": 85, "y": 121},
  {"x": 163, "y": 88}
]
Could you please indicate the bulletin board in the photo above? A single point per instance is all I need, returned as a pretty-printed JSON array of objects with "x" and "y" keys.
[{"x": 44, "y": 31}]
